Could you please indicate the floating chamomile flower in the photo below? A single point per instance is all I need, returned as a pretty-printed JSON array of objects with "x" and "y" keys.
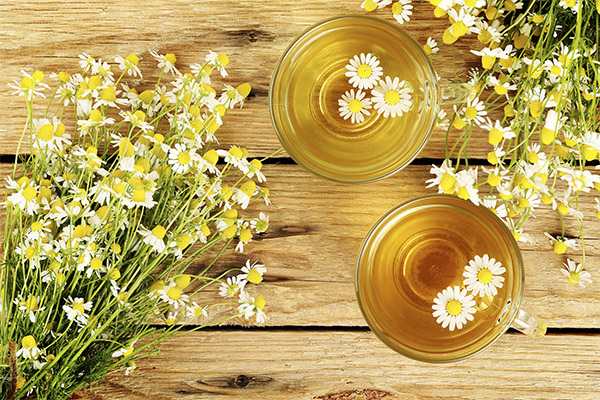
[
  {"x": 453, "y": 307},
  {"x": 364, "y": 71},
  {"x": 483, "y": 276},
  {"x": 575, "y": 273},
  {"x": 392, "y": 97},
  {"x": 354, "y": 106}
]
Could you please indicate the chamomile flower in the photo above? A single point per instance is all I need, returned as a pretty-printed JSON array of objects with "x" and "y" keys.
[
  {"x": 218, "y": 61},
  {"x": 166, "y": 62},
  {"x": 364, "y": 71},
  {"x": 370, "y": 5},
  {"x": 453, "y": 307},
  {"x": 483, "y": 276},
  {"x": 30, "y": 85},
  {"x": 125, "y": 351},
  {"x": 250, "y": 306},
  {"x": 253, "y": 273},
  {"x": 261, "y": 224},
  {"x": 402, "y": 10},
  {"x": 431, "y": 47},
  {"x": 561, "y": 243},
  {"x": 25, "y": 199},
  {"x": 129, "y": 64},
  {"x": 154, "y": 237},
  {"x": 575, "y": 273},
  {"x": 475, "y": 110},
  {"x": 497, "y": 132},
  {"x": 354, "y": 106},
  {"x": 181, "y": 159},
  {"x": 195, "y": 310},
  {"x": 76, "y": 310},
  {"x": 172, "y": 295},
  {"x": 29, "y": 349},
  {"x": 30, "y": 307},
  {"x": 392, "y": 97},
  {"x": 445, "y": 177},
  {"x": 232, "y": 286}
]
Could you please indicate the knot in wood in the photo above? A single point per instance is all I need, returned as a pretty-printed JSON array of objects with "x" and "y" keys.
[{"x": 241, "y": 381}]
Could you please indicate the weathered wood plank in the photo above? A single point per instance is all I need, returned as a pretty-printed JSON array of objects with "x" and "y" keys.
[
  {"x": 46, "y": 35},
  {"x": 305, "y": 364},
  {"x": 316, "y": 228}
]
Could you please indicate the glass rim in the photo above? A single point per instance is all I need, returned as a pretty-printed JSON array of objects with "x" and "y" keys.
[
  {"x": 509, "y": 315},
  {"x": 280, "y": 132}
]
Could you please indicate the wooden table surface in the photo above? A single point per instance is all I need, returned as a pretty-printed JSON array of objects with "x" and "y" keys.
[{"x": 315, "y": 342}]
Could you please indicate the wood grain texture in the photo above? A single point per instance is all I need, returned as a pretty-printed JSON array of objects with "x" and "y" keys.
[
  {"x": 49, "y": 36},
  {"x": 316, "y": 228},
  {"x": 303, "y": 365}
]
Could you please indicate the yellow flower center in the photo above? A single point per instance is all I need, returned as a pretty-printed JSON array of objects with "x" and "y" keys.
[
  {"x": 559, "y": 247},
  {"x": 487, "y": 61},
  {"x": 535, "y": 108},
  {"x": 184, "y": 158},
  {"x": 28, "y": 342},
  {"x": 96, "y": 263},
  {"x": 29, "y": 193},
  {"x": 248, "y": 188},
  {"x": 139, "y": 195},
  {"x": 485, "y": 276},
  {"x": 259, "y": 302},
  {"x": 45, "y": 132},
  {"x": 370, "y": 5},
  {"x": 555, "y": 70},
  {"x": 182, "y": 281},
  {"x": 493, "y": 180},
  {"x": 397, "y": 8},
  {"x": 36, "y": 226},
  {"x": 574, "y": 278},
  {"x": 159, "y": 231},
  {"x": 223, "y": 59},
  {"x": 171, "y": 58},
  {"x": 183, "y": 241},
  {"x": 31, "y": 304},
  {"x": 254, "y": 277},
  {"x": 392, "y": 97},
  {"x": 198, "y": 311},
  {"x": 133, "y": 59},
  {"x": 459, "y": 29},
  {"x": 174, "y": 293},
  {"x": 447, "y": 183},
  {"x": 146, "y": 96},
  {"x": 453, "y": 307},
  {"x": 355, "y": 106},
  {"x": 77, "y": 306},
  {"x": 500, "y": 89},
  {"x": 495, "y": 136},
  {"x": 471, "y": 113}
]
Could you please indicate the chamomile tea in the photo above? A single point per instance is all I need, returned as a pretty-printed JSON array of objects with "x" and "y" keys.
[
  {"x": 427, "y": 264},
  {"x": 318, "y": 112}
]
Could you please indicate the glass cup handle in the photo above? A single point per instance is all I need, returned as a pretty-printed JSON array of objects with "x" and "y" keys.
[
  {"x": 529, "y": 324},
  {"x": 456, "y": 93}
]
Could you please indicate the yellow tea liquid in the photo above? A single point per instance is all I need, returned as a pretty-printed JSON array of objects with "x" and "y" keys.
[
  {"x": 419, "y": 253},
  {"x": 309, "y": 80}
]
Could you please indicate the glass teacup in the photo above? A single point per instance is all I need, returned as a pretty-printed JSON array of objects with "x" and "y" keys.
[
  {"x": 355, "y": 99},
  {"x": 439, "y": 279}
]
